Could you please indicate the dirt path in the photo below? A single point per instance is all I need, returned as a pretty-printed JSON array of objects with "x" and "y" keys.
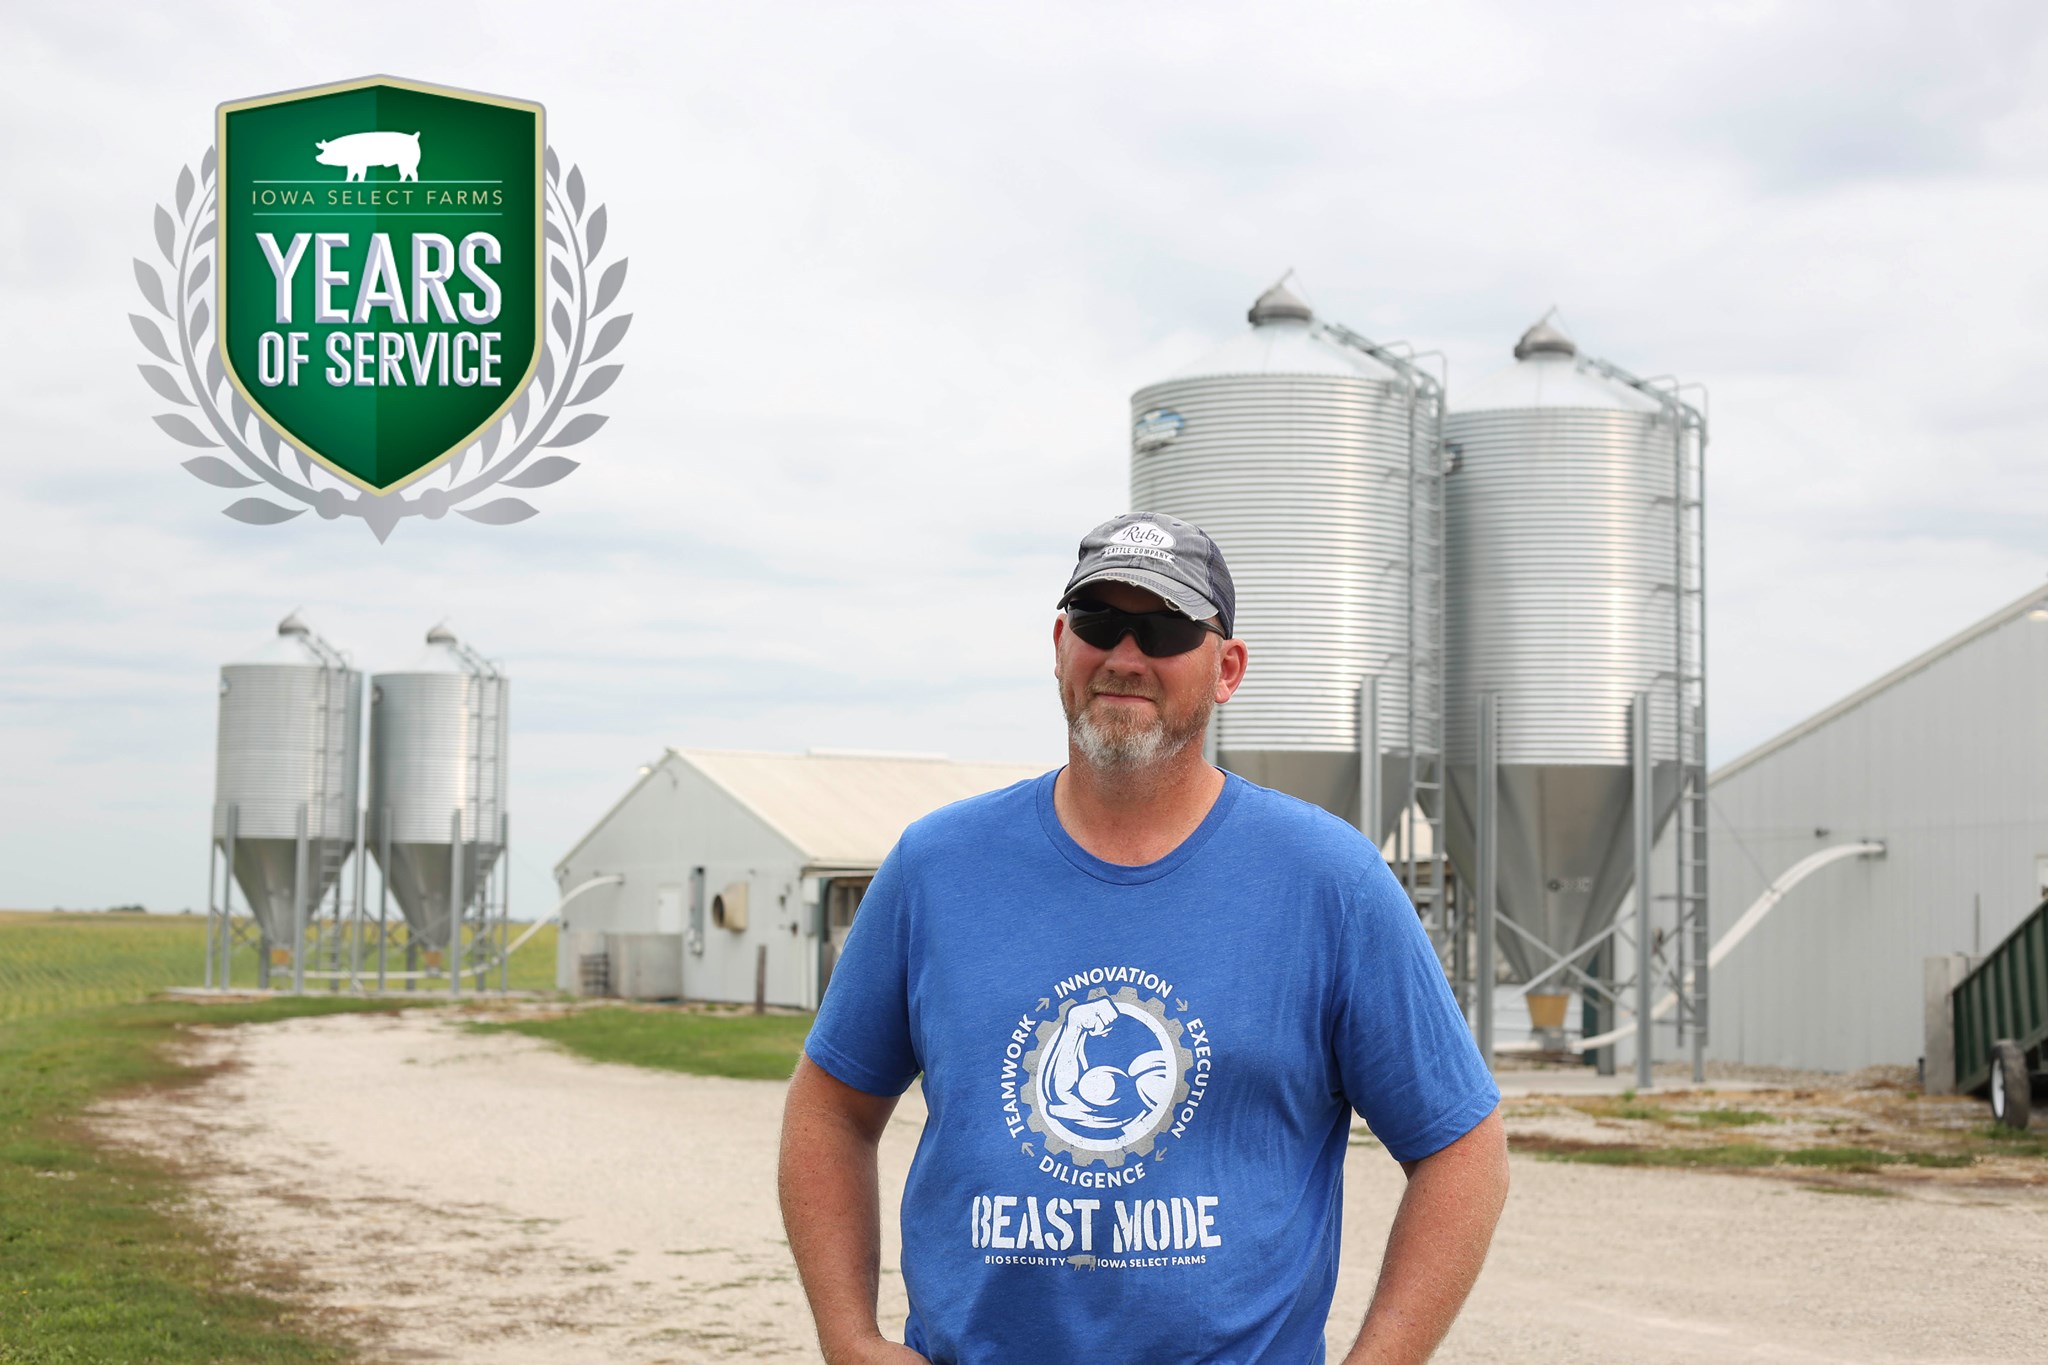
[{"x": 449, "y": 1196}]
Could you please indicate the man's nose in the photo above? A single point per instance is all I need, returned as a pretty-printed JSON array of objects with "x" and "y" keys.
[{"x": 1126, "y": 654}]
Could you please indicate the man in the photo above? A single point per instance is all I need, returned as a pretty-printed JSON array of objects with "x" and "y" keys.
[{"x": 1144, "y": 996}]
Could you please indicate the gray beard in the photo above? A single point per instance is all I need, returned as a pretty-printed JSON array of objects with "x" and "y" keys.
[{"x": 1129, "y": 748}]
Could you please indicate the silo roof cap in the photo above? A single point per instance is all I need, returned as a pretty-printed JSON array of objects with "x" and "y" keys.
[
  {"x": 1537, "y": 380},
  {"x": 1279, "y": 304},
  {"x": 1545, "y": 339},
  {"x": 294, "y": 643},
  {"x": 447, "y": 654}
]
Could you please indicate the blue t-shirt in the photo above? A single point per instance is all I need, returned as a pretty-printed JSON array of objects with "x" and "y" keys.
[{"x": 1140, "y": 1078}]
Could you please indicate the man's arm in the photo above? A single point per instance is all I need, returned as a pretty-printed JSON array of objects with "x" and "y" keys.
[
  {"x": 831, "y": 1210},
  {"x": 1437, "y": 1245}
]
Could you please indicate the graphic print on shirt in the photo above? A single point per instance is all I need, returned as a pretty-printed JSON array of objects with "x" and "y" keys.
[
  {"x": 1098, "y": 1081},
  {"x": 1105, "y": 1076},
  {"x": 1107, "y": 1068}
]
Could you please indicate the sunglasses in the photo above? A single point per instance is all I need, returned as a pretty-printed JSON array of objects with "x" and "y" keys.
[{"x": 1160, "y": 634}]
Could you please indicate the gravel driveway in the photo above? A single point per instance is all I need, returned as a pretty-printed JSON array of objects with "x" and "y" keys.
[{"x": 451, "y": 1196}]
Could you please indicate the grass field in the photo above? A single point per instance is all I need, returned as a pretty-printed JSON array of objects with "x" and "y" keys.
[
  {"x": 54, "y": 961},
  {"x": 97, "y": 1262},
  {"x": 745, "y": 1046},
  {"x": 1885, "y": 1128},
  {"x": 1740, "y": 1155}
]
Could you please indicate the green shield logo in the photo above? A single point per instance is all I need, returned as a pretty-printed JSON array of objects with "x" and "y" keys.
[{"x": 380, "y": 291}]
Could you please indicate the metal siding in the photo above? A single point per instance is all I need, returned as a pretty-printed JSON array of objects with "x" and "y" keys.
[
  {"x": 273, "y": 753},
  {"x": 674, "y": 821},
  {"x": 1561, "y": 552},
  {"x": 1302, "y": 480},
  {"x": 437, "y": 746},
  {"x": 740, "y": 817},
  {"x": 1314, "y": 462},
  {"x": 1949, "y": 766},
  {"x": 289, "y": 739}
]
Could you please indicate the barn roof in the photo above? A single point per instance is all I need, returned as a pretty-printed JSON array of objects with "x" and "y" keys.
[
  {"x": 846, "y": 808},
  {"x": 842, "y": 808},
  {"x": 2034, "y": 600}
]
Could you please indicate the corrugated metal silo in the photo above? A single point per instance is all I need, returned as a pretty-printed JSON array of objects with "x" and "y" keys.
[
  {"x": 289, "y": 749},
  {"x": 1312, "y": 457},
  {"x": 437, "y": 781},
  {"x": 1573, "y": 585}
]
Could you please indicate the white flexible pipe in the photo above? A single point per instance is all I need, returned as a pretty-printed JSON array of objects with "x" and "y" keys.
[
  {"x": 612, "y": 879},
  {"x": 1763, "y": 905}
]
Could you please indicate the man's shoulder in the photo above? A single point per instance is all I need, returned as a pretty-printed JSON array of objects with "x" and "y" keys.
[
  {"x": 968, "y": 822},
  {"x": 1300, "y": 832}
]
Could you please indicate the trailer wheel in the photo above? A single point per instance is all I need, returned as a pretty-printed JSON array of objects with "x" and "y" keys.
[{"x": 2010, "y": 1091}]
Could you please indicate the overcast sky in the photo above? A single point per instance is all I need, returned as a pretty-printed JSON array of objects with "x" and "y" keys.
[{"x": 896, "y": 270}]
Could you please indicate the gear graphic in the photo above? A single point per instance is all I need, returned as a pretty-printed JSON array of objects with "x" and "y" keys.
[{"x": 1048, "y": 1129}]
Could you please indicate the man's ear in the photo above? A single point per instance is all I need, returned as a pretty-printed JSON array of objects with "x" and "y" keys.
[{"x": 1230, "y": 670}]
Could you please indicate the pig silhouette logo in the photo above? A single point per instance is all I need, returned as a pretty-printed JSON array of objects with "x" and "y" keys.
[{"x": 360, "y": 151}]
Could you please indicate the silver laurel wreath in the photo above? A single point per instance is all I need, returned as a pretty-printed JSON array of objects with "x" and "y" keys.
[{"x": 188, "y": 243}]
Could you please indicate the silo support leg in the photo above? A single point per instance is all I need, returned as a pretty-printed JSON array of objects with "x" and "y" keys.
[
  {"x": 504, "y": 904},
  {"x": 1488, "y": 898},
  {"x": 355, "y": 936},
  {"x": 455, "y": 904},
  {"x": 227, "y": 903},
  {"x": 384, "y": 904},
  {"x": 299, "y": 910},
  {"x": 1369, "y": 818},
  {"x": 212, "y": 909},
  {"x": 1645, "y": 814}
]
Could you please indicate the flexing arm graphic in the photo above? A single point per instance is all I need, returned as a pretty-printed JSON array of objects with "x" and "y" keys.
[
  {"x": 1103, "y": 1069},
  {"x": 1069, "y": 1063}
]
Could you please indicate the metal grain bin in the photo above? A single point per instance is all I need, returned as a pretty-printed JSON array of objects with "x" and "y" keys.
[
  {"x": 1311, "y": 456},
  {"x": 1571, "y": 586},
  {"x": 437, "y": 770},
  {"x": 288, "y": 750}
]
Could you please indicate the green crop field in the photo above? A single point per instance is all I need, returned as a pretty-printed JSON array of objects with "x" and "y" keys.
[{"x": 53, "y": 961}]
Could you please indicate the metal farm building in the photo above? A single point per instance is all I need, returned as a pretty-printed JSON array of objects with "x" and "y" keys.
[
  {"x": 1945, "y": 761},
  {"x": 721, "y": 869}
]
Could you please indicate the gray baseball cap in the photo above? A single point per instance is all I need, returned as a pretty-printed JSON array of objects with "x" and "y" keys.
[{"x": 1160, "y": 554}]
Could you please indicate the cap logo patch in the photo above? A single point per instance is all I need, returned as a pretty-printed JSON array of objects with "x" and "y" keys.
[{"x": 1142, "y": 533}]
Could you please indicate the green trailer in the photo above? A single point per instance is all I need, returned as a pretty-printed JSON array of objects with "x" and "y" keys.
[{"x": 2001, "y": 1021}]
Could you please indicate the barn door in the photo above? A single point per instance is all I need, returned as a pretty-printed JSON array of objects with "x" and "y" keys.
[
  {"x": 668, "y": 910},
  {"x": 842, "y": 902}
]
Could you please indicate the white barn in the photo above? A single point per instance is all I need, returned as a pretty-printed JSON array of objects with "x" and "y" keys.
[
  {"x": 1944, "y": 760},
  {"x": 732, "y": 864}
]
